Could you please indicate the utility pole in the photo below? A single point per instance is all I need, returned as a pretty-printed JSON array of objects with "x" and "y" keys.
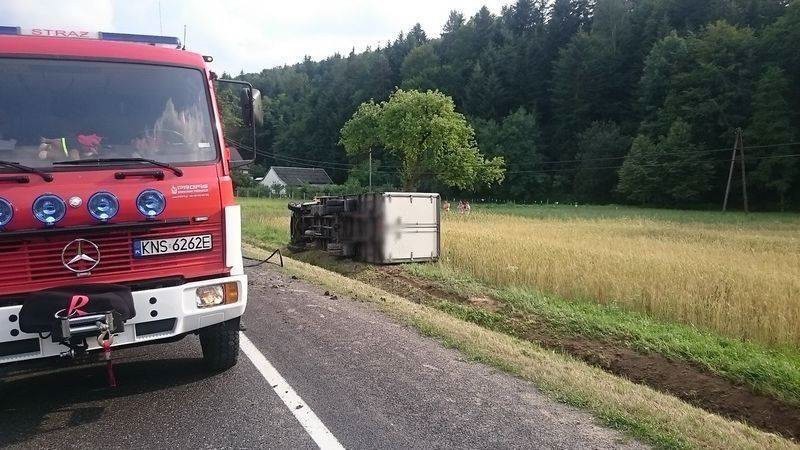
[
  {"x": 738, "y": 145},
  {"x": 744, "y": 176}
]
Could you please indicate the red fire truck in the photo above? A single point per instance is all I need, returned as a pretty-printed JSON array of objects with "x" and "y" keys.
[{"x": 118, "y": 224}]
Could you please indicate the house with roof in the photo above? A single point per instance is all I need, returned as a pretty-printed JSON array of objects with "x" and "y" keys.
[{"x": 291, "y": 177}]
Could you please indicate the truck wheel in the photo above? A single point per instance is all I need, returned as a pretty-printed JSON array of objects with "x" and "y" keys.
[{"x": 220, "y": 345}]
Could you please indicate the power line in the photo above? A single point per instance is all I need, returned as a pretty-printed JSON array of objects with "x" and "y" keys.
[
  {"x": 334, "y": 165},
  {"x": 288, "y": 158},
  {"x": 671, "y": 163},
  {"x": 681, "y": 152},
  {"x": 342, "y": 166}
]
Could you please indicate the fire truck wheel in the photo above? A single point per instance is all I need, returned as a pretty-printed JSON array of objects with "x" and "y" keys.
[{"x": 220, "y": 345}]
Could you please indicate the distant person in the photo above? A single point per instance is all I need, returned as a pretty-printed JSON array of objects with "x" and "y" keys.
[
  {"x": 446, "y": 206},
  {"x": 467, "y": 207},
  {"x": 461, "y": 206}
]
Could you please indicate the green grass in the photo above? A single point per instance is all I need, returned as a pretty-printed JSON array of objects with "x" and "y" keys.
[{"x": 263, "y": 221}]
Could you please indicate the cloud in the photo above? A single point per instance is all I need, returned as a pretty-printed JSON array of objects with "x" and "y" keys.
[
  {"x": 80, "y": 14},
  {"x": 249, "y": 34}
]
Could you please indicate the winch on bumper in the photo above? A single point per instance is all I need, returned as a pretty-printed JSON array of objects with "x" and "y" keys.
[{"x": 160, "y": 314}]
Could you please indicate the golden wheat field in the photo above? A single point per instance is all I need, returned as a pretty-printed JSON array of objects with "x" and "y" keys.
[
  {"x": 739, "y": 280},
  {"x": 739, "y": 277}
]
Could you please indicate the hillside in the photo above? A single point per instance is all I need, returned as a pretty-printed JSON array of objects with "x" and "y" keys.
[{"x": 600, "y": 101}]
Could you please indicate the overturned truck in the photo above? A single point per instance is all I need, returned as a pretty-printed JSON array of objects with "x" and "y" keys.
[{"x": 388, "y": 228}]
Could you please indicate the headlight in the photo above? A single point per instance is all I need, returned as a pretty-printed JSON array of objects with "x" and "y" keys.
[
  {"x": 6, "y": 212},
  {"x": 49, "y": 209},
  {"x": 217, "y": 294},
  {"x": 151, "y": 203},
  {"x": 103, "y": 206}
]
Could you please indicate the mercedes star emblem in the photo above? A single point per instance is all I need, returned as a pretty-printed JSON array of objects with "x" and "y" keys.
[{"x": 80, "y": 256}]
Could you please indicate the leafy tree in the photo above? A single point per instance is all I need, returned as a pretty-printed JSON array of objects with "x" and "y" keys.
[
  {"x": 517, "y": 139},
  {"x": 362, "y": 133},
  {"x": 779, "y": 45},
  {"x": 668, "y": 58},
  {"x": 687, "y": 173},
  {"x": 429, "y": 137},
  {"x": 242, "y": 180},
  {"x": 638, "y": 182},
  {"x": 672, "y": 172},
  {"x": 230, "y": 112},
  {"x": 773, "y": 122},
  {"x": 277, "y": 189},
  {"x": 600, "y": 149},
  {"x": 420, "y": 69},
  {"x": 257, "y": 171},
  {"x": 714, "y": 87}
]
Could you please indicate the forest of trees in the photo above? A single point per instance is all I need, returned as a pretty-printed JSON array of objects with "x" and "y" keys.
[{"x": 597, "y": 101}]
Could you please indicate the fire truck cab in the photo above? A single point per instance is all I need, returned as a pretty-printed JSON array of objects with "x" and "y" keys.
[{"x": 118, "y": 222}]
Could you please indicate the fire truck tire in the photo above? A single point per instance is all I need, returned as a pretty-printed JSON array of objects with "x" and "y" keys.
[{"x": 220, "y": 344}]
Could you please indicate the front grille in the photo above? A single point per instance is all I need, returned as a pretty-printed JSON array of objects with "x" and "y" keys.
[
  {"x": 156, "y": 326},
  {"x": 19, "y": 347},
  {"x": 34, "y": 263}
]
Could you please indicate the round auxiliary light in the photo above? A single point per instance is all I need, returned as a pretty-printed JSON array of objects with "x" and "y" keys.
[
  {"x": 49, "y": 209},
  {"x": 103, "y": 206},
  {"x": 6, "y": 212},
  {"x": 151, "y": 203}
]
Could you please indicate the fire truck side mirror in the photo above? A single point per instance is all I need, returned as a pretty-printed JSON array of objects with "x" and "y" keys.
[
  {"x": 252, "y": 112},
  {"x": 241, "y": 137},
  {"x": 257, "y": 107}
]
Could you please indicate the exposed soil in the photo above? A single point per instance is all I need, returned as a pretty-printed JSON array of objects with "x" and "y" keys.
[{"x": 683, "y": 379}]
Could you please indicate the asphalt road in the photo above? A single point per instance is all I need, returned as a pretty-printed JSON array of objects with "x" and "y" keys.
[{"x": 371, "y": 382}]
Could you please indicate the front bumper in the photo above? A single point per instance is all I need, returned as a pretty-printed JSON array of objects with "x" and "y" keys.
[{"x": 160, "y": 314}]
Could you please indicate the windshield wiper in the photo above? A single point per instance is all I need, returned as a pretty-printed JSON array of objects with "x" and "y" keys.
[
  {"x": 15, "y": 165},
  {"x": 99, "y": 161}
]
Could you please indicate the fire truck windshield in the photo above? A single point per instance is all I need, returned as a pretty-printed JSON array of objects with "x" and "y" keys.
[{"x": 61, "y": 110}]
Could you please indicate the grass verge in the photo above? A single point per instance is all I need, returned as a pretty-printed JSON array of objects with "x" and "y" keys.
[
  {"x": 768, "y": 371},
  {"x": 644, "y": 413}
]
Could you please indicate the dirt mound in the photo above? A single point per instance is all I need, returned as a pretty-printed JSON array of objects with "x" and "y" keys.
[{"x": 684, "y": 380}]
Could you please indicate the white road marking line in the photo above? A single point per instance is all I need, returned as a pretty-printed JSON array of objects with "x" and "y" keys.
[{"x": 310, "y": 422}]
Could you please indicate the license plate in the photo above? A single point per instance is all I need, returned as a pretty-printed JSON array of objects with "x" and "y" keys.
[{"x": 182, "y": 244}]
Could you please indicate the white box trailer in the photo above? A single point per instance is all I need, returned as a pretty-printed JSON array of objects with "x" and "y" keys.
[
  {"x": 387, "y": 228},
  {"x": 411, "y": 227}
]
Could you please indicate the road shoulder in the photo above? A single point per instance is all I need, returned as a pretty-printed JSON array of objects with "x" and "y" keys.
[
  {"x": 376, "y": 382},
  {"x": 637, "y": 410}
]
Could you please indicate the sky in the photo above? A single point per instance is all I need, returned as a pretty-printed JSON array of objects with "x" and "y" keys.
[{"x": 248, "y": 35}]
